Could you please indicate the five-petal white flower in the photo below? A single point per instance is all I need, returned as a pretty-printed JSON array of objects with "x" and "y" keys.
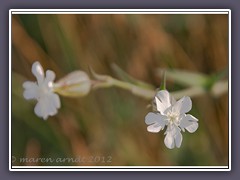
[
  {"x": 171, "y": 113},
  {"x": 42, "y": 91}
]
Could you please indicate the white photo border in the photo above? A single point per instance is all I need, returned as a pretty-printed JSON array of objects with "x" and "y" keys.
[{"x": 121, "y": 11}]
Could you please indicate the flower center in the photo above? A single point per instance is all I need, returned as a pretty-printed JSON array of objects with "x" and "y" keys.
[
  {"x": 173, "y": 118},
  {"x": 43, "y": 89}
]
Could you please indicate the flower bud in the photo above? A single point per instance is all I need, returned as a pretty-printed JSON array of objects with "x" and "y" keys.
[{"x": 75, "y": 84}]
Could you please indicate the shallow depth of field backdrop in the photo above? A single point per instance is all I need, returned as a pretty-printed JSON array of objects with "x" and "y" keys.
[{"x": 110, "y": 122}]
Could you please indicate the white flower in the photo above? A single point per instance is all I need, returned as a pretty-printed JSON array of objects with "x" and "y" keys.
[
  {"x": 171, "y": 113},
  {"x": 42, "y": 91}
]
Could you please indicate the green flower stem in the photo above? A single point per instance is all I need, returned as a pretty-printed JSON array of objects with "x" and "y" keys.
[
  {"x": 104, "y": 81},
  {"x": 163, "y": 86},
  {"x": 136, "y": 90},
  {"x": 139, "y": 91},
  {"x": 217, "y": 89},
  {"x": 191, "y": 92}
]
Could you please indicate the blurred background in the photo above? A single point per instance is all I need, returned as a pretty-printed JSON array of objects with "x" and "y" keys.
[{"x": 110, "y": 122}]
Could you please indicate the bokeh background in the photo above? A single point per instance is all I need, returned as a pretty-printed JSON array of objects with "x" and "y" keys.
[{"x": 110, "y": 122}]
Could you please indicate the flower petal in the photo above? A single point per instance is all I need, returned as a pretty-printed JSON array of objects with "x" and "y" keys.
[
  {"x": 31, "y": 90},
  {"x": 183, "y": 105},
  {"x": 38, "y": 72},
  {"x": 163, "y": 100},
  {"x": 56, "y": 100},
  {"x": 53, "y": 103},
  {"x": 156, "y": 122},
  {"x": 178, "y": 139},
  {"x": 47, "y": 106},
  {"x": 173, "y": 137},
  {"x": 193, "y": 127},
  {"x": 41, "y": 109},
  {"x": 169, "y": 141},
  {"x": 48, "y": 81},
  {"x": 50, "y": 76},
  {"x": 51, "y": 109},
  {"x": 172, "y": 100},
  {"x": 189, "y": 122},
  {"x": 154, "y": 128}
]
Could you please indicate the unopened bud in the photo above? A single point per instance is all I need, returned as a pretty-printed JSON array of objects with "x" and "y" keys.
[{"x": 74, "y": 84}]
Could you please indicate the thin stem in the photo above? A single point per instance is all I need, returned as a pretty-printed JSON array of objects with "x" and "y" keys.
[
  {"x": 109, "y": 82},
  {"x": 218, "y": 89},
  {"x": 163, "y": 85},
  {"x": 143, "y": 92}
]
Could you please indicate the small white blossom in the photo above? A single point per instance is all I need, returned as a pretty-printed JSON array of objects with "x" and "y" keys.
[
  {"x": 42, "y": 90},
  {"x": 171, "y": 113}
]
